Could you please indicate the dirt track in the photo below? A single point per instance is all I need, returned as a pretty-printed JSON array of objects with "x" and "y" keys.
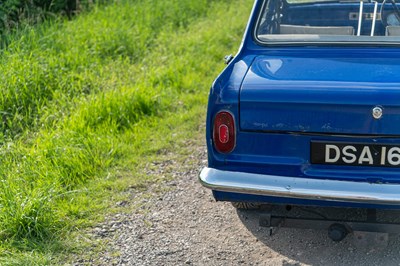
[{"x": 180, "y": 223}]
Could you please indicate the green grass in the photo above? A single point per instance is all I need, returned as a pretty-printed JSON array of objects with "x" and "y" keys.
[{"x": 87, "y": 103}]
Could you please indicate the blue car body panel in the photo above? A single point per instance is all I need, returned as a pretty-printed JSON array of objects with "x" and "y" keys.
[
  {"x": 327, "y": 94},
  {"x": 283, "y": 98}
]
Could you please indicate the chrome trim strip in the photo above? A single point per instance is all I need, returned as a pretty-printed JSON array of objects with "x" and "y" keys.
[
  {"x": 322, "y": 134},
  {"x": 300, "y": 188}
]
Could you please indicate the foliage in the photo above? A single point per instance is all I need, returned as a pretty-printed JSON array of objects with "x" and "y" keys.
[
  {"x": 88, "y": 100},
  {"x": 13, "y": 12}
]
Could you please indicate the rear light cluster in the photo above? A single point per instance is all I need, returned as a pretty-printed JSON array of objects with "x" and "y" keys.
[{"x": 224, "y": 135}]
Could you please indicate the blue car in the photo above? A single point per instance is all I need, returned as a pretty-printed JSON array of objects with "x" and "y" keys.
[{"x": 308, "y": 111}]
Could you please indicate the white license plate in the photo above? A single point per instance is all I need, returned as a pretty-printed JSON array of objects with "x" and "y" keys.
[{"x": 338, "y": 153}]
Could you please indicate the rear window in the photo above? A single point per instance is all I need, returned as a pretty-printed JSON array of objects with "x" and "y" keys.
[{"x": 299, "y": 21}]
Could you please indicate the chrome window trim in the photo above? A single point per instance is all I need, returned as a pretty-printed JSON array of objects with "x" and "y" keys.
[{"x": 391, "y": 42}]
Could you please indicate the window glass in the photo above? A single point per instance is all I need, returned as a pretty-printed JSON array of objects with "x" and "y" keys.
[{"x": 329, "y": 21}]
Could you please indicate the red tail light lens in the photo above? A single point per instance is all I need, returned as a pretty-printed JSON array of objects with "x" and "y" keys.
[{"x": 224, "y": 132}]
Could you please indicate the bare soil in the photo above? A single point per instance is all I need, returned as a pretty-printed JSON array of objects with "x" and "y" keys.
[{"x": 178, "y": 222}]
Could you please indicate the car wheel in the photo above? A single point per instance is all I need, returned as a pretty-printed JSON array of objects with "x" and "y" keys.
[{"x": 246, "y": 205}]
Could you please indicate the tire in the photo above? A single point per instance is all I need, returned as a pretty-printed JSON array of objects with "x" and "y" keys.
[{"x": 246, "y": 205}]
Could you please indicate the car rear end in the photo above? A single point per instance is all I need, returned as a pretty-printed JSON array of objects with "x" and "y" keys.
[{"x": 303, "y": 117}]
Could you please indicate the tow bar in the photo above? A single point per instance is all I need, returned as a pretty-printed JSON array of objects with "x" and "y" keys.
[{"x": 367, "y": 230}]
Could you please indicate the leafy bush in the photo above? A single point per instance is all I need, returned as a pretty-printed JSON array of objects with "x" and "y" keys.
[{"x": 13, "y": 12}]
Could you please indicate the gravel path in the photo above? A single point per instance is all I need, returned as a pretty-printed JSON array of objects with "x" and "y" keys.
[{"x": 179, "y": 223}]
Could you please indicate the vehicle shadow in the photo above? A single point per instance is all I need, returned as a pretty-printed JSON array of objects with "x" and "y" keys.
[{"x": 314, "y": 247}]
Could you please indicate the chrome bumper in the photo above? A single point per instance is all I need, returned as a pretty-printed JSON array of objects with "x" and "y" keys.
[{"x": 300, "y": 188}]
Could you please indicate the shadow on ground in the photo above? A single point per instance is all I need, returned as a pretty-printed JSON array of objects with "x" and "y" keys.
[{"x": 314, "y": 247}]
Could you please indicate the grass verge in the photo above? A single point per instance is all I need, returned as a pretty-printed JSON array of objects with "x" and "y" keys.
[{"x": 86, "y": 103}]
